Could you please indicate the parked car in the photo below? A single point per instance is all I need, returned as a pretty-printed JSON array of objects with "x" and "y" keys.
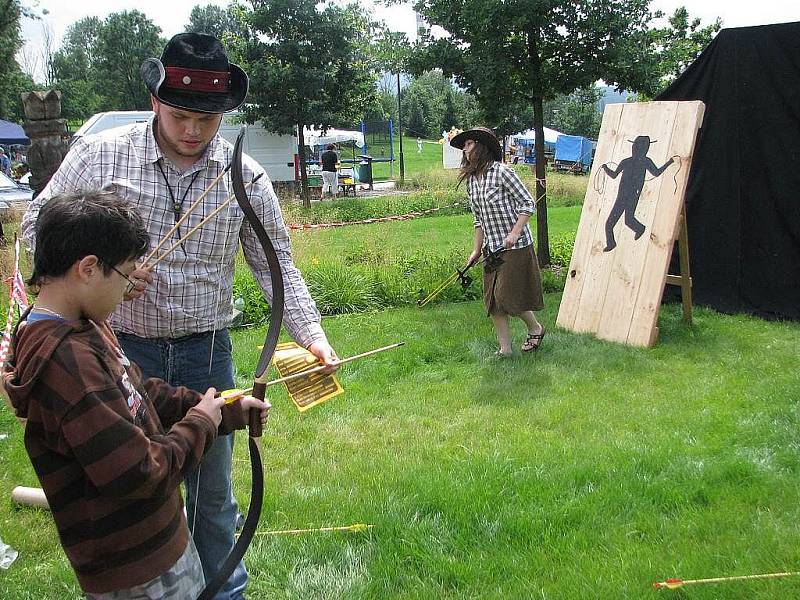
[
  {"x": 13, "y": 195},
  {"x": 274, "y": 152}
]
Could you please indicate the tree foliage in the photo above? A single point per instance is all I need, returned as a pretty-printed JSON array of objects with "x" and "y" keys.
[
  {"x": 97, "y": 66},
  {"x": 75, "y": 70},
  {"x": 309, "y": 64},
  {"x": 11, "y": 76},
  {"x": 575, "y": 113},
  {"x": 675, "y": 46},
  {"x": 226, "y": 24},
  {"x": 124, "y": 41},
  {"x": 516, "y": 54},
  {"x": 431, "y": 104}
]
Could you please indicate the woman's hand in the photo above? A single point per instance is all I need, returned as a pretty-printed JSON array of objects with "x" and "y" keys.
[
  {"x": 473, "y": 258},
  {"x": 510, "y": 240}
]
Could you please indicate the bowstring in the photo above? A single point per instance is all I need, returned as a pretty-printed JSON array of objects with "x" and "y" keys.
[{"x": 211, "y": 362}]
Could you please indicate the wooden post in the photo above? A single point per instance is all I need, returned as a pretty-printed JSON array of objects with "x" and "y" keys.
[{"x": 684, "y": 280}]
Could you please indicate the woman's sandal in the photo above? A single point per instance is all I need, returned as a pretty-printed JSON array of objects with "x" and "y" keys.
[{"x": 533, "y": 341}]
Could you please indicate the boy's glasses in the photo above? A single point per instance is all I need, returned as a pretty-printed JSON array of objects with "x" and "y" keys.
[{"x": 131, "y": 282}]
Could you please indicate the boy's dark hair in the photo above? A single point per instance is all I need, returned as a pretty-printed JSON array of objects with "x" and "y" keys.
[{"x": 72, "y": 226}]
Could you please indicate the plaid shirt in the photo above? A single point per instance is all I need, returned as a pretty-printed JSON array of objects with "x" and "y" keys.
[
  {"x": 496, "y": 201},
  {"x": 193, "y": 285}
]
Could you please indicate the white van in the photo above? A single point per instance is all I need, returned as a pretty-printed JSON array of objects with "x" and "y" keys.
[{"x": 276, "y": 153}]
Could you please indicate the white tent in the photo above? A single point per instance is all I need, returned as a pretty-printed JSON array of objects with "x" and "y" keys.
[
  {"x": 316, "y": 137},
  {"x": 550, "y": 135}
]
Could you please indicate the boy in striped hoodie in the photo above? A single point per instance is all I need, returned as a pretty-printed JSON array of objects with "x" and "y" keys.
[{"x": 109, "y": 449}]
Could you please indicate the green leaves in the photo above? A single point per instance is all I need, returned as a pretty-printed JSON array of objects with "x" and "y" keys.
[{"x": 308, "y": 63}]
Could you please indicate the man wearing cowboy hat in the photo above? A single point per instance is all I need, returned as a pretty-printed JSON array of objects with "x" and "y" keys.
[{"x": 175, "y": 324}]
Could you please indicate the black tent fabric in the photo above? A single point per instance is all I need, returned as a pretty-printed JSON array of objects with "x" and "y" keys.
[
  {"x": 11, "y": 133},
  {"x": 743, "y": 193}
]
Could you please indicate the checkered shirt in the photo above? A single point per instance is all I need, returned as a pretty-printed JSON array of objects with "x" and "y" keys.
[
  {"x": 496, "y": 201},
  {"x": 192, "y": 287}
]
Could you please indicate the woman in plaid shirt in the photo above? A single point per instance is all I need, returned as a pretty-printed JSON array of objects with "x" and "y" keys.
[{"x": 502, "y": 207}]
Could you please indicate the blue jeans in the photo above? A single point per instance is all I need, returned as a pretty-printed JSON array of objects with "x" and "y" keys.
[{"x": 211, "y": 508}]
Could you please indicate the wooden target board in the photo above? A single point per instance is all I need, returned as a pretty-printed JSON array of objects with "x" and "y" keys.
[{"x": 630, "y": 220}]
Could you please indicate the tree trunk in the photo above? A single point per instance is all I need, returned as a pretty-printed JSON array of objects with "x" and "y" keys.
[
  {"x": 542, "y": 239},
  {"x": 301, "y": 155}
]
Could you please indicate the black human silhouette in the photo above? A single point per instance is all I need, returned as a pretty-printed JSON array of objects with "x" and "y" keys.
[{"x": 634, "y": 169}]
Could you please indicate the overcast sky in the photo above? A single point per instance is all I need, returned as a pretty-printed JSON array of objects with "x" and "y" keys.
[{"x": 172, "y": 15}]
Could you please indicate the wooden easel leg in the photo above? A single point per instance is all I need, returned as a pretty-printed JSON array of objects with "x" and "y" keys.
[
  {"x": 684, "y": 279},
  {"x": 683, "y": 259}
]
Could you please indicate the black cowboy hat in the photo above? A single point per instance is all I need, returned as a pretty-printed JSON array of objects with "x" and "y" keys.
[
  {"x": 194, "y": 74},
  {"x": 479, "y": 134}
]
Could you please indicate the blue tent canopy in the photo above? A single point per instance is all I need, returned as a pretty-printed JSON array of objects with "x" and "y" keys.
[
  {"x": 11, "y": 133},
  {"x": 574, "y": 149}
]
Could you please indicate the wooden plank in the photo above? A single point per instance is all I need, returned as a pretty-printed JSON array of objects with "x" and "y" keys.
[
  {"x": 592, "y": 206},
  {"x": 615, "y": 294},
  {"x": 630, "y": 255},
  {"x": 601, "y": 264},
  {"x": 688, "y": 120},
  {"x": 675, "y": 280}
]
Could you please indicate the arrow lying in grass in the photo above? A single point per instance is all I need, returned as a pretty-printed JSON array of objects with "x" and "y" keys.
[
  {"x": 674, "y": 584},
  {"x": 355, "y": 528}
]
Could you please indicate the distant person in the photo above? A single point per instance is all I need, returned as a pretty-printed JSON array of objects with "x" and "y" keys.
[
  {"x": 5, "y": 162},
  {"x": 330, "y": 175},
  {"x": 419, "y": 145},
  {"x": 110, "y": 447},
  {"x": 501, "y": 206}
]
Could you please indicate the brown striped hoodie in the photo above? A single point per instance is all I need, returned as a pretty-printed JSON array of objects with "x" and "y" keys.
[{"x": 109, "y": 450}]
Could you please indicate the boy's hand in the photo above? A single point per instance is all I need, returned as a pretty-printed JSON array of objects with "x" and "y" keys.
[
  {"x": 143, "y": 277},
  {"x": 211, "y": 406}
]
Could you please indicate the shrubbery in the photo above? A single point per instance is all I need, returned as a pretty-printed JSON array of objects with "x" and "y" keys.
[{"x": 368, "y": 277}]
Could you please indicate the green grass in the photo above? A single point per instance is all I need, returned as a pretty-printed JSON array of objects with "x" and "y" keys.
[
  {"x": 588, "y": 470},
  {"x": 435, "y": 234},
  {"x": 413, "y": 162}
]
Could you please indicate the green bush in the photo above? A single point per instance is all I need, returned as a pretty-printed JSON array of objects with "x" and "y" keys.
[
  {"x": 245, "y": 286},
  {"x": 370, "y": 279},
  {"x": 341, "y": 289},
  {"x": 561, "y": 247}
]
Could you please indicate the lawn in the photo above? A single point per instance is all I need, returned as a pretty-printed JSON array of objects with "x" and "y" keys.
[{"x": 586, "y": 470}]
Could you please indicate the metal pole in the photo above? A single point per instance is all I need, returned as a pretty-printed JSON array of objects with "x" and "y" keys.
[{"x": 400, "y": 130}]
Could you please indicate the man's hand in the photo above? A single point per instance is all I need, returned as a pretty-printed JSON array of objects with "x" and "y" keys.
[
  {"x": 326, "y": 355},
  {"x": 249, "y": 402},
  {"x": 142, "y": 278}
]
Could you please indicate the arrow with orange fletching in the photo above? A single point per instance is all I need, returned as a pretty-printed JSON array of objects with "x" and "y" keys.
[{"x": 674, "y": 584}]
